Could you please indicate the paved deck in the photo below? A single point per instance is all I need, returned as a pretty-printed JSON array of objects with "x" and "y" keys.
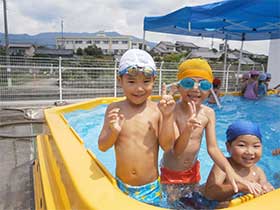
[{"x": 16, "y": 159}]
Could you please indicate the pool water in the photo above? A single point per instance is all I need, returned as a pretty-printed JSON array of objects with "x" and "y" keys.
[{"x": 265, "y": 112}]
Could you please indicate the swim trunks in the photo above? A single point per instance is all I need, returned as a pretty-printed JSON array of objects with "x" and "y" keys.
[
  {"x": 149, "y": 193},
  {"x": 190, "y": 176},
  {"x": 196, "y": 200}
]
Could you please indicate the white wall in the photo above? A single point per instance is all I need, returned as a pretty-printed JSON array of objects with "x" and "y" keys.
[{"x": 274, "y": 62}]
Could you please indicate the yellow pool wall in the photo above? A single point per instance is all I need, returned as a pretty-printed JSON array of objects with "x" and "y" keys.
[{"x": 69, "y": 176}]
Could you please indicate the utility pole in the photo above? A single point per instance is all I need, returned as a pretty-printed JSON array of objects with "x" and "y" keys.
[
  {"x": 62, "y": 38},
  {"x": 6, "y": 75},
  {"x": 6, "y": 27}
]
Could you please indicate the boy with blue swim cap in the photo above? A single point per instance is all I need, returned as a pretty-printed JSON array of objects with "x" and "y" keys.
[{"x": 244, "y": 144}]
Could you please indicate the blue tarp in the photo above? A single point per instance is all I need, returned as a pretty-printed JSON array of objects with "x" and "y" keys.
[{"x": 229, "y": 19}]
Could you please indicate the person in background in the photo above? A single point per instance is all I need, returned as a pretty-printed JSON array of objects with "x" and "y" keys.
[
  {"x": 267, "y": 81},
  {"x": 276, "y": 152},
  {"x": 136, "y": 127},
  {"x": 244, "y": 82},
  {"x": 216, "y": 89},
  {"x": 244, "y": 144},
  {"x": 262, "y": 89},
  {"x": 251, "y": 91}
]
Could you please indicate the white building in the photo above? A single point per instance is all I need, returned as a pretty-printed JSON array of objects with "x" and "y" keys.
[
  {"x": 109, "y": 44},
  {"x": 21, "y": 49}
]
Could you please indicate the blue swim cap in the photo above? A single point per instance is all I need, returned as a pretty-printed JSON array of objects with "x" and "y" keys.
[
  {"x": 262, "y": 77},
  {"x": 242, "y": 127}
]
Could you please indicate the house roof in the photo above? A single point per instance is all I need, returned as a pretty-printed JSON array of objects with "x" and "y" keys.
[
  {"x": 20, "y": 45},
  {"x": 54, "y": 52},
  {"x": 186, "y": 44},
  {"x": 205, "y": 54}
]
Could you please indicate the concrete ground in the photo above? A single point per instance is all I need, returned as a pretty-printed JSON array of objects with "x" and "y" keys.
[{"x": 16, "y": 159}]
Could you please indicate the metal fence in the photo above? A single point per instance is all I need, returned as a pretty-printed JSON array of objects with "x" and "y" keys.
[{"x": 25, "y": 78}]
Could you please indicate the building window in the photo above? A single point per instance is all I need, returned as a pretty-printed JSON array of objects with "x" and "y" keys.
[
  {"x": 78, "y": 42},
  {"x": 89, "y": 42},
  {"x": 105, "y": 42},
  {"x": 115, "y": 42},
  {"x": 124, "y": 42},
  {"x": 97, "y": 42}
]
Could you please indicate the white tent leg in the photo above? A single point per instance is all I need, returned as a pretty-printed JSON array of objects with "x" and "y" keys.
[
  {"x": 239, "y": 66},
  {"x": 227, "y": 77},
  {"x": 143, "y": 43},
  {"x": 225, "y": 63}
]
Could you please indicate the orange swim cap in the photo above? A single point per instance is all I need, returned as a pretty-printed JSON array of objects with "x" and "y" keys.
[{"x": 195, "y": 67}]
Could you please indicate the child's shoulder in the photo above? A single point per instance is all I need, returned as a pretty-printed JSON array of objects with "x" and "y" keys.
[
  {"x": 118, "y": 104},
  {"x": 153, "y": 106},
  {"x": 207, "y": 109}
]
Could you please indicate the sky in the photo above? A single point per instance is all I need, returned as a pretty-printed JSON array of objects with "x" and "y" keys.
[{"x": 122, "y": 16}]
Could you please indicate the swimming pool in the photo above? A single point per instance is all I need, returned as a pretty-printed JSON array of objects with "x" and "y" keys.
[{"x": 266, "y": 112}]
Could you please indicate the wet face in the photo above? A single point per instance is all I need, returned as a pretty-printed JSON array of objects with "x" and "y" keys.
[
  {"x": 195, "y": 93},
  {"x": 137, "y": 88},
  {"x": 245, "y": 150}
]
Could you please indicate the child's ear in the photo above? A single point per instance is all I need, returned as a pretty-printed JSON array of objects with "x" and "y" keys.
[
  {"x": 119, "y": 78},
  {"x": 228, "y": 147}
]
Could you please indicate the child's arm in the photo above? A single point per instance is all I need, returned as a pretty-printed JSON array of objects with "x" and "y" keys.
[
  {"x": 167, "y": 124},
  {"x": 111, "y": 128},
  {"x": 276, "y": 152},
  {"x": 216, "y": 189},
  {"x": 184, "y": 137},
  {"x": 266, "y": 186},
  {"x": 219, "y": 158}
]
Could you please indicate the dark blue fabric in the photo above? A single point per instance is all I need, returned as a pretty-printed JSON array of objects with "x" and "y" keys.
[
  {"x": 196, "y": 200},
  {"x": 242, "y": 127},
  {"x": 228, "y": 19}
]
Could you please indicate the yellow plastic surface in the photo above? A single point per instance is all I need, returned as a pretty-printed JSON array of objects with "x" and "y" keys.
[{"x": 68, "y": 176}]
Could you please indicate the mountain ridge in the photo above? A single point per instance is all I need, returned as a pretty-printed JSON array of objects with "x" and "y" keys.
[{"x": 48, "y": 39}]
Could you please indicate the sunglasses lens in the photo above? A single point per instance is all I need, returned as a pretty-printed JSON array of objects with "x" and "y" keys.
[
  {"x": 148, "y": 72},
  {"x": 187, "y": 83},
  {"x": 205, "y": 85},
  {"x": 132, "y": 71}
]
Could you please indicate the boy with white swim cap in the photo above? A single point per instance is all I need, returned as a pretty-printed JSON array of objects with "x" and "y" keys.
[{"x": 134, "y": 126}]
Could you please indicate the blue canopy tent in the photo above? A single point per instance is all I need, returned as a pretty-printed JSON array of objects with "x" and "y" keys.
[{"x": 242, "y": 20}]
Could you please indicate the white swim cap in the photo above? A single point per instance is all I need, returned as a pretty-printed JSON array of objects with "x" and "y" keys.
[{"x": 136, "y": 57}]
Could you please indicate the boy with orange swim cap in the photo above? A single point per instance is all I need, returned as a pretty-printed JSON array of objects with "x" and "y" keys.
[{"x": 180, "y": 168}]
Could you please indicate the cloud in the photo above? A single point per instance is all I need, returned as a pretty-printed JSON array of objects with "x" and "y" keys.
[{"x": 123, "y": 16}]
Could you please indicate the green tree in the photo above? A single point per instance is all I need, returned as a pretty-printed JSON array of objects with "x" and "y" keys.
[
  {"x": 79, "y": 51},
  {"x": 2, "y": 51},
  {"x": 174, "y": 57},
  {"x": 93, "y": 50}
]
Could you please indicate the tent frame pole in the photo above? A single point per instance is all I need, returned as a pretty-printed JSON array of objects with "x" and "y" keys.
[
  {"x": 225, "y": 62},
  {"x": 239, "y": 66},
  {"x": 143, "y": 42}
]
